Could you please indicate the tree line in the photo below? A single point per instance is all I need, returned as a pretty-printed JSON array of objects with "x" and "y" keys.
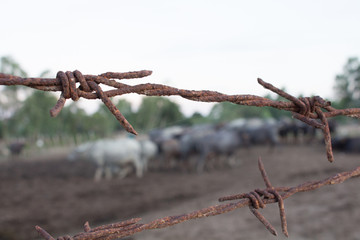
[{"x": 24, "y": 112}]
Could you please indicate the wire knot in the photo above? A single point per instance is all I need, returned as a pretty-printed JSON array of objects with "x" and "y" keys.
[
  {"x": 88, "y": 84},
  {"x": 308, "y": 109},
  {"x": 308, "y": 105},
  {"x": 256, "y": 201},
  {"x": 68, "y": 81}
]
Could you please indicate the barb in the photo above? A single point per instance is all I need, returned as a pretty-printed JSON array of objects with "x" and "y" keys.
[
  {"x": 255, "y": 199},
  {"x": 313, "y": 111},
  {"x": 307, "y": 109}
]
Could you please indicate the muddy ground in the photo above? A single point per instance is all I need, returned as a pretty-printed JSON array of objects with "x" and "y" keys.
[{"x": 60, "y": 196}]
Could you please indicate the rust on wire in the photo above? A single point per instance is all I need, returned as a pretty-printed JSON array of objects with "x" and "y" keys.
[
  {"x": 255, "y": 199},
  {"x": 313, "y": 111},
  {"x": 309, "y": 109}
]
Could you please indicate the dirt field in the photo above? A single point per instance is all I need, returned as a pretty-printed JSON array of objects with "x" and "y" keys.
[{"x": 60, "y": 196}]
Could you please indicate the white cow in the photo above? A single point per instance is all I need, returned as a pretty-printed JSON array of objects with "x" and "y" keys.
[
  {"x": 113, "y": 155},
  {"x": 148, "y": 151}
]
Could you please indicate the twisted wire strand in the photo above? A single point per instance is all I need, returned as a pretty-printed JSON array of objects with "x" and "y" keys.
[
  {"x": 265, "y": 196},
  {"x": 308, "y": 109}
]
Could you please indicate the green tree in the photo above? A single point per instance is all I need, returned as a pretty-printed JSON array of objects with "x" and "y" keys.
[
  {"x": 24, "y": 111},
  {"x": 126, "y": 109},
  {"x": 103, "y": 123},
  {"x": 74, "y": 119},
  {"x": 9, "y": 66},
  {"x": 9, "y": 98},
  {"x": 347, "y": 84},
  {"x": 226, "y": 111},
  {"x": 33, "y": 117},
  {"x": 196, "y": 118},
  {"x": 157, "y": 112}
]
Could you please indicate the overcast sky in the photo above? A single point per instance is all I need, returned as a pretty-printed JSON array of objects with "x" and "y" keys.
[{"x": 213, "y": 45}]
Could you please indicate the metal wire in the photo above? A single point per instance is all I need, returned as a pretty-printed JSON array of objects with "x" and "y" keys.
[
  {"x": 255, "y": 200},
  {"x": 308, "y": 110},
  {"x": 313, "y": 111}
]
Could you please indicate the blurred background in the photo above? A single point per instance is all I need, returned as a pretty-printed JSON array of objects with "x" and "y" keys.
[{"x": 306, "y": 48}]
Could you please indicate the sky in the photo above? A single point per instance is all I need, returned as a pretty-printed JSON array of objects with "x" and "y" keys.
[{"x": 201, "y": 45}]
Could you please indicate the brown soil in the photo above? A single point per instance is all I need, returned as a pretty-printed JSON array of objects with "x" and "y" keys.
[{"x": 60, "y": 196}]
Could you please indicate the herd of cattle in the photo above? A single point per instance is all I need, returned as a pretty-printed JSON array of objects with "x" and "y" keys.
[{"x": 197, "y": 147}]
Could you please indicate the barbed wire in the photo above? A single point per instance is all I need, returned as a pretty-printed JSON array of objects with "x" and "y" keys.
[
  {"x": 313, "y": 111},
  {"x": 306, "y": 109},
  {"x": 256, "y": 199}
]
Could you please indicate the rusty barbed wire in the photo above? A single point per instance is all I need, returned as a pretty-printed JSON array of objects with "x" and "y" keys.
[
  {"x": 310, "y": 110},
  {"x": 307, "y": 109},
  {"x": 256, "y": 199}
]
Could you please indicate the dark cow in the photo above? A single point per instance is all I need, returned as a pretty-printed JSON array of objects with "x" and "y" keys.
[
  {"x": 167, "y": 141},
  {"x": 295, "y": 131},
  {"x": 221, "y": 143},
  {"x": 346, "y": 144},
  {"x": 192, "y": 142},
  {"x": 16, "y": 148},
  {"x": 260, "y": 132}
]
